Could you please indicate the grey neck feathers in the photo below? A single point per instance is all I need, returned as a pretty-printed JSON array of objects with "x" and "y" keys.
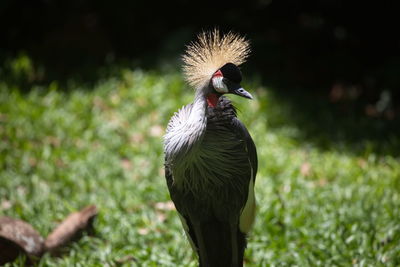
[{"x": 185, "y": 130}]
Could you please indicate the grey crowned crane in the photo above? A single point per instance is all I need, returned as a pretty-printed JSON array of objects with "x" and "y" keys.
[{"x": 210, "y": 157}]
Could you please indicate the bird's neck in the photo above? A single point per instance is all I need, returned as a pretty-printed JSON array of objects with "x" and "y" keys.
[
  {"x": 186, "y": 129},
  {"x": 199, "y": 109}
]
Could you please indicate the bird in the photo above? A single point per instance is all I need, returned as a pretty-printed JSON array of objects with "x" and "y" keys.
[{"x": 210, "y": 157}]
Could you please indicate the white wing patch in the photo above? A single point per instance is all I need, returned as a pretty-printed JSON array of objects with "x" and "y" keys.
[
  {"x": 248, "y": 214},
  {"x": 186, "y": 228}
]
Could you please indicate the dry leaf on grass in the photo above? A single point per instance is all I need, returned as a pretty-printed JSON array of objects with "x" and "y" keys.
[
  {"x": 17, "y": 236},
  {"x": 71, "y": 228},
  {"x": 169, "y": 205},
  {"x": 143, "y": 231},
  {"x": 156, "y": 131},
  {"x": 305, "y": 169}
]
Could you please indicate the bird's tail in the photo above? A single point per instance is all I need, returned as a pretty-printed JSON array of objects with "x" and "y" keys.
[{"x": 219, "y": 244}]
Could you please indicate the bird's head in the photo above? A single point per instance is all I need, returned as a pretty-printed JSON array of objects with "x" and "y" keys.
[
  {"x": 211, "y": 64},
  {"x": 226, "y": 80}
]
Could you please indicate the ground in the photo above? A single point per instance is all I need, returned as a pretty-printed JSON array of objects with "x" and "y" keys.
[{"x": 101, "y": 144}]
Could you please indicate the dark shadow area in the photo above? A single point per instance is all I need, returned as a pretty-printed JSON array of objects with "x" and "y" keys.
[
  {"x": 336, "y": 64},
  {"x": 345, "y": 125}
]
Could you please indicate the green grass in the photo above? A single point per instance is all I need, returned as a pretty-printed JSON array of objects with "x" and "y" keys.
[{"x": 102, "y": 144}]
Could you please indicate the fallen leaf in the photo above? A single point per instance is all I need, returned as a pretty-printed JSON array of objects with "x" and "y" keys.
[
  {"x": 137, "y": 138},
  {"x": 16, "y": 237},
  {"x": 161, "y": 217},
  {"x": 71, "y": 228},
  {"x": 169, "y": 205},
  {"x": 143, "y": 231},
  {"x": 126, "y": 164},
  {"x": 305, "y": 169},
  {"x": 156, "y": 131}
]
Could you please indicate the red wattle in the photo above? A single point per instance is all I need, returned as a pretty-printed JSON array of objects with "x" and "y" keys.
[{"x": 212, "y": 100}]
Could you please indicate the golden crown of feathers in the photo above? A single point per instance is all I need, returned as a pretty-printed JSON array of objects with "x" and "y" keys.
[{"x": 210, "y": 52}]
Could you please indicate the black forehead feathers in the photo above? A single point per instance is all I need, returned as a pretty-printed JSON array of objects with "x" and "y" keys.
[{"x": 231, "y": 72}]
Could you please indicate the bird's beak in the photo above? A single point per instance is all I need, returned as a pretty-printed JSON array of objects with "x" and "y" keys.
[{"x": 238, "y": 90}]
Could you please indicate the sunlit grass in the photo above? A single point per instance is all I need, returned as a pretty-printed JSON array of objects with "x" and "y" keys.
[{"x": 61, "y": 151}]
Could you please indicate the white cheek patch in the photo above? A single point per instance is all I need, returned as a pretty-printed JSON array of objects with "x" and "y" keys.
[{"x": 219, "y": 85}]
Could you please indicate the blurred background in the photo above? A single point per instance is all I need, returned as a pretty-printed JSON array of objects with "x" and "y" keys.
[
  {"x": 339, "y": 55},
  {"x": 87, "y": 88}
]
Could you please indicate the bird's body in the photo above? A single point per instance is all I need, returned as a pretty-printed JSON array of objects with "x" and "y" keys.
[{"x": 210, "y": 164}]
